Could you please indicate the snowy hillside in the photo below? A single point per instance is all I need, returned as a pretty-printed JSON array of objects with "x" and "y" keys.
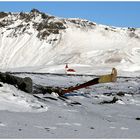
[{"x": 41, "y": 41}]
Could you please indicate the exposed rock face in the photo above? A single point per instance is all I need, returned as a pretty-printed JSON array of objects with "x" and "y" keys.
[
  {"x": 138, "y": 118},
  {"x": 1, "y": 85},
  {"x": 24, "y": 84},
  {"x": 3, "y": 14},
  {"x": 47, "y": 89},
  {"x": 43, "y": 23},
  {"x": 114, "y": 100},
  {"x": 45, "y": 28}
]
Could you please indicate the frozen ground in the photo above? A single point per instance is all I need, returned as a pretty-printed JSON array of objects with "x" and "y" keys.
[{"x": 86, "y": 113}]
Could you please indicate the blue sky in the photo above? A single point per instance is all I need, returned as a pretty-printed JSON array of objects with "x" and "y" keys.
[{"x": 121, "y": 14}]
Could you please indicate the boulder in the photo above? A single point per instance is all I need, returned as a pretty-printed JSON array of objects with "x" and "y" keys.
[
  {"x": 24, "y": 84},
  {"x": 1, "y": 85},
  {"x": 114, "y": 100}
]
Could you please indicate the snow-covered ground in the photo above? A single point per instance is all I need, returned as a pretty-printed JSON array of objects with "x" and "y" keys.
[{"x": 84, "y": 114}]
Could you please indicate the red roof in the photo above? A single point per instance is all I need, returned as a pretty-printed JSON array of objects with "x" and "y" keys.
[{"x": 71, "y": 70}]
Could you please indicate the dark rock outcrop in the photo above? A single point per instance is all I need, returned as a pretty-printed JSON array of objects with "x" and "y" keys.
[
  {"x": 3, "y": 14},
  {"x": 121, "y": 93},
  {"x": 114, "y": 100},
  {"x": 137, "y": 118},
  {"x": 24, "y": 84},
  {"x": 39, "y": 89}
]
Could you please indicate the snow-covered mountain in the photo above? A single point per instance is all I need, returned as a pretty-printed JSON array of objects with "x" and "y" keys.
[{"x": 36, "y": 39}]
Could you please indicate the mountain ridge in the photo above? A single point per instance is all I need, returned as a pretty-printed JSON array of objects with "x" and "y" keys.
[{"x": 37, "y": 39}]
